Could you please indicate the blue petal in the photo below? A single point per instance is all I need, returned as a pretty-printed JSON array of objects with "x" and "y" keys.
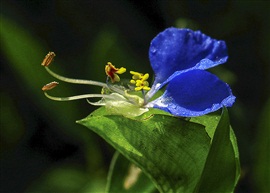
[
  {"x": 180, "y": 49},
  {"x": 194, "y": 93}
]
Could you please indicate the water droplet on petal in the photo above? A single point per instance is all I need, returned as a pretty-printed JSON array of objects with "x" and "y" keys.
[
  {"x": 173, "y": 107},
  {"x": 153, "y": 50}
]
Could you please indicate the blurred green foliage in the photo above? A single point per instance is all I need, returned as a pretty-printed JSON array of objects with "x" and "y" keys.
[{"x": 44, "y": 150}]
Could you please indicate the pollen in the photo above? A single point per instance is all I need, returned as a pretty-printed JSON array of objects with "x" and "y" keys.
[
  {"x": 48, "y": 59},
  {"x": 112, "y": 72},
  {"x": 140, "y": 81},
  {"x": 50, "y": 86}
]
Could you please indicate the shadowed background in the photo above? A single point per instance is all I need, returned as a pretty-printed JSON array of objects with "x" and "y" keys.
[{"x": 44, "y": 150}]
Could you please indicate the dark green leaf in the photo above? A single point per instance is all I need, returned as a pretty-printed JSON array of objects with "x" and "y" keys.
[
  {"x": 125, "y": 177},
  {"x": 210, "y": 121},
  {"x": 220, "y": 171}
]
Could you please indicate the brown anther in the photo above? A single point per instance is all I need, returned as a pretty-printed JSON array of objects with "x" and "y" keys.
[
  {"x": 48, "y": 59},
  {"x": 50, "y": 86}
]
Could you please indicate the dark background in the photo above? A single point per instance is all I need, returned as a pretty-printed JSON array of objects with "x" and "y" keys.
[{"x": 44, "y": 150}]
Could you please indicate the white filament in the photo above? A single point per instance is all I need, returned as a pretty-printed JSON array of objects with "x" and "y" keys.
[
  {"x": 77, "y": 97},
  {"x": 75, "y": 81}
]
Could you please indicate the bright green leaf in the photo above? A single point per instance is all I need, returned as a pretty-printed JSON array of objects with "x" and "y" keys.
[{"x": 170, "y": 150}]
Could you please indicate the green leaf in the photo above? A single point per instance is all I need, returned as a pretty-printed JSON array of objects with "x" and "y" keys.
[
  {"x": 125, "y": 177},
  {"x": 220, "y": 171},
  {"x": 211, "y": 121},
  {"x": 169, "y": 150}
]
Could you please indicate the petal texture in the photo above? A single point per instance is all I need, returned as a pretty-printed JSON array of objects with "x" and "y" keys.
[
  {"x": 194, "y": 93},
  {"x": 180, "y": 49}
]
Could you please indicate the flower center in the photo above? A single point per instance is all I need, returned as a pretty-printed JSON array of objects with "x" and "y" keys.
[{"x": 140, "y": 81}]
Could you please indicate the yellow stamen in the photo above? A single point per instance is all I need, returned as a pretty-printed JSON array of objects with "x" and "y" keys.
[
  {"x": 140, "y": 81},
  {"x": 121, "y": 70},
  {"x": 132, "y": 81},
  {"x": 136, "y": 75},
  {"x": 111, "y": 71}
]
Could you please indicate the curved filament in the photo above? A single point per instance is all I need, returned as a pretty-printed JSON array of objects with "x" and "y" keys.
[
  {"x": 77, "y": 97},
  {"x": 75, "y": 81}
]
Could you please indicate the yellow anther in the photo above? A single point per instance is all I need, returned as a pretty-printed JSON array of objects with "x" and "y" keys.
[
  {"x": 138, "y": 88},
  {"x": 121, "y": 70},
  {"x": 146, "y": 88},
  {"x": 142, "y": 85},
  {"x": 136, "y": 75},
  {"x": 112, "y": 71},
  {"x": 140, "y": 81},
  {"x": 132, "y": 81},
  {"x": 145, "y": 77}
]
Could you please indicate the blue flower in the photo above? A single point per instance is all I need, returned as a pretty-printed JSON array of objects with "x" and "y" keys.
[{"x": 179, "y": 58}]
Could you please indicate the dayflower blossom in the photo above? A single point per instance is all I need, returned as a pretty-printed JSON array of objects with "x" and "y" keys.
[{"x": 179, "y": 58}]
